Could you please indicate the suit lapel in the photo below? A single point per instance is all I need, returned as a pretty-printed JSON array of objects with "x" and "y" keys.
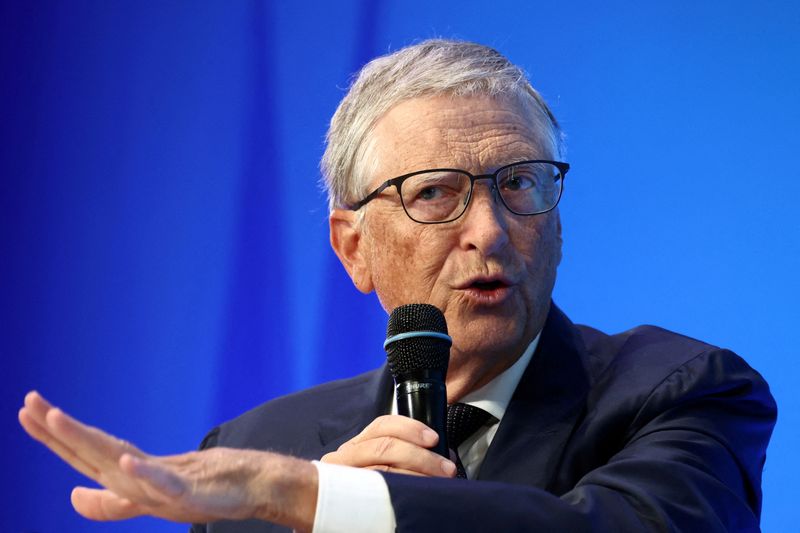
[
  {"x": 543, "y": 409},
  {"x": 357, "y": 409}
]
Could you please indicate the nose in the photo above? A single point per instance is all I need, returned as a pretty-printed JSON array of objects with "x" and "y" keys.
[{"x": 485, "y": 225}]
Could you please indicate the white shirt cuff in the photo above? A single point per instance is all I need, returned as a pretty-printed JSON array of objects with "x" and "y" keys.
[{"x": 352, "y": 500}]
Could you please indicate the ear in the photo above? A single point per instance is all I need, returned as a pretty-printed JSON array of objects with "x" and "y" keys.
[{"x": 346, "y": 241}]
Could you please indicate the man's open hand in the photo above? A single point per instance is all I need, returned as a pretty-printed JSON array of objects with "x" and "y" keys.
[{"x": 214, "y": 484}]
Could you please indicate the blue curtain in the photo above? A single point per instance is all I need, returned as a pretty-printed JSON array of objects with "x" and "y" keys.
[{"x": 163, "y": 238}]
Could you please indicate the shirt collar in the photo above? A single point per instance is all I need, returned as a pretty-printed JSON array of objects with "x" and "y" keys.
[{"x": 495, "y": 396}]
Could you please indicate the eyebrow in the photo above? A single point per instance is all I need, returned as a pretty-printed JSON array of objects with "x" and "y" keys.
[{"x": 491, "y": 169}]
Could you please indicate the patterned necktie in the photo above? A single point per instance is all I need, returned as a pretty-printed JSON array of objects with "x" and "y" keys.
[{"x": 463, "y": 420}]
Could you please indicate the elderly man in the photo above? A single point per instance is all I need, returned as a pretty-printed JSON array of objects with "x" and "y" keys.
[{"x": 444, "y": 168}]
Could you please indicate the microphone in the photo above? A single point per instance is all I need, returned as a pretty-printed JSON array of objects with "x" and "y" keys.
[{"x": 418, "y": 351}]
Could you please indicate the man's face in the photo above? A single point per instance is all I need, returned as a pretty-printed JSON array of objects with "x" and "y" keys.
[{"x": 491, "y": 272}]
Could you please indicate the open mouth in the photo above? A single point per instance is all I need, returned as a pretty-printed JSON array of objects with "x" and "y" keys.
[
  {"x": 488, "y": 291},
  {"x": 488, "y": 285}
]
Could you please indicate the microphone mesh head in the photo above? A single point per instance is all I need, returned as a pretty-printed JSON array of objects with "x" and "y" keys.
[{"x": 417, "y": 353}]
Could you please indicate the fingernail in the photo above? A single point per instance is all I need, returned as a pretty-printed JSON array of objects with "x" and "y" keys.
[
  {"x": 429, "y": 436},
  {"x": 448, "y": 467}
]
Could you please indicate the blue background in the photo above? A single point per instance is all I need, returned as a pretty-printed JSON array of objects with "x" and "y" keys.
[{"x": 163, "y": 240}]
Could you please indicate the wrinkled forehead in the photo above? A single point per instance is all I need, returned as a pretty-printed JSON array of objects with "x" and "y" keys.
[{"x": 476, "y": 133}]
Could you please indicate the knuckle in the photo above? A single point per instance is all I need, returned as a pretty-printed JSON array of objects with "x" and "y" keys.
[{"x": 381, "y": 422}]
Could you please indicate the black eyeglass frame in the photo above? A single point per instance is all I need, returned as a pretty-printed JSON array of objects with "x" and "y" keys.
[{"x": 562, "y": 167}]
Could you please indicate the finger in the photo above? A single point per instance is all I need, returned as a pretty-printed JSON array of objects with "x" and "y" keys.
[
  {"x": 37, "y": 406},
  {"x": 392, "y": 452},
  {"x": 71, "y": 433},
  {"x": 102, "y": 504},
  {"x": 40, "y": 433},
  {"x": 392, "y": 470},
  {"x": 401, "y": 427},
  {"x": 91, "y": 444}
]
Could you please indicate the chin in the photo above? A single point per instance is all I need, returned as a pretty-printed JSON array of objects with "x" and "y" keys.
[{"x": 489, "y": 336}]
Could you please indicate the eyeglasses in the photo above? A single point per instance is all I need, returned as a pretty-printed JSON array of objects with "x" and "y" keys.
[{"x": 442, "y": 195}]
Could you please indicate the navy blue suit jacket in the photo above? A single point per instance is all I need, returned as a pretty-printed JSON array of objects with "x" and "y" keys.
[{"x": 646, "y": 430}]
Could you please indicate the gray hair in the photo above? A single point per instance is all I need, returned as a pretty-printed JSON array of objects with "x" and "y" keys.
[{"x": 430, "y": 68}]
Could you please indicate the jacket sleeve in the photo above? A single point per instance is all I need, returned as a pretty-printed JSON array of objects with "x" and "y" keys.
[{"x": 691, "y": 460}]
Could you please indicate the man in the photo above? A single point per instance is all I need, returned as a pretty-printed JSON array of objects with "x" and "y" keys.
[{"x": 444, "y": 168}]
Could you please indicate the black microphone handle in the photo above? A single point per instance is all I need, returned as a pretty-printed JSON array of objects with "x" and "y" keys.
[{"x": 426, "y": 400}]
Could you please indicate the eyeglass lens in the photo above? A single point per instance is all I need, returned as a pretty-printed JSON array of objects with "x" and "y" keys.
[{"x": 440, "y": 196}]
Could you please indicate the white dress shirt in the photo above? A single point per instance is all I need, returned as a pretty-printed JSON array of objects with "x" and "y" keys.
[{"x": 357, "y": 500}]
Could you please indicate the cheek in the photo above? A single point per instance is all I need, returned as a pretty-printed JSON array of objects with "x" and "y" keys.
[
  {"x": 549, "y": 247},
  {"x": 542, "y": 256},
  {"x": 405, "y": 265}
]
